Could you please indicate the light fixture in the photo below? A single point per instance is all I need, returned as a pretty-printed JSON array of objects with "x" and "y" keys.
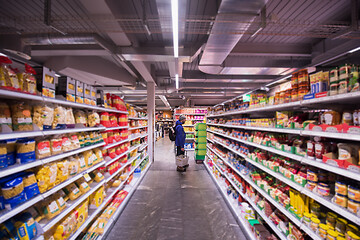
[
  {"x": 165, "y": 101},
  {"x": 147, "y": 29},
  {"x": 354, "y": 50},
  {"x": 175, "y": 26},
  {"x": 57, "y": 75},
  {"x": 278, "y": 81},
  {"x": 177, "y": 81},
  {"x": 256, "y": 32},
  {"x": 3, "y": 55}
]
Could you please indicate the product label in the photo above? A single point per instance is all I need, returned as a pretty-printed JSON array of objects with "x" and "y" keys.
[
  {"x": 99, "y": 175},
  {"x": 87, "y": 177},
  {"x": 43, "y": 147},
  {"x": 53, "y": 207},
  {"x": 344, "y": 154},
  {"x": 82, "y": 162},
  {"x": 84, "y": 185},
  {"x": 24, "y": 120},
  {"x": 75, "y": 191},
  {"x": 61, "y": 201}
]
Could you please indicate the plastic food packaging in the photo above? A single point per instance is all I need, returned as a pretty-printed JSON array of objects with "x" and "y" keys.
[
  {"x": 353, "y": 193},
  {"x": 82, "y": 162},
  {"x": 43, "y": 116},
  {"x": 28, "y": 79},
  {"x": 97, "y": 198},
  {"x": 25, "y": 151},
  {"x": 59, "y": 118},
  {"x": 21, "y": 117},
  {"x": 11, "y": 151},
  {"x": 59, "y": 198},
  {"x": 83, "y": 185},
  {"x": 62, "y": 171},
  {"x": 31, "y": 188},
  {"x": 73, "y": 166},
  {"x": 104, "y": 119},
  {"x": 75, "y": 143},
  {"x": 331, "y": 118},
  {"x": 340, "y": 200},
  {"x": 43, "y": 149},
  {"x": 113, "y": 120},
  {"x": 3, "y": 155},
  {"x": 93, "y": 119},
  {"x": 66, "y": 144},
  {"x": 5, "y": 116},
  {"x": 25, "y": 226},
  {"x": 11, "y": 187},
  {"x": 69, "y": 118},
  {"x": 80, "y": 117},
  {"x": 50, "y": 208},
  {"x": 72, "y": 191},
  {"x": 56, "y": 145},
  {"x": 43, "y": 178}
]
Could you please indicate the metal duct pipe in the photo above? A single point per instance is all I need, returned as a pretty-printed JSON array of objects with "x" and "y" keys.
[
  {"x": 232, "y": 15},
  {"x": 59, "y": 39}
]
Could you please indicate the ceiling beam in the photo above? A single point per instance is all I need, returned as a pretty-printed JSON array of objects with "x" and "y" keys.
[{"x": 271, "y": 50}]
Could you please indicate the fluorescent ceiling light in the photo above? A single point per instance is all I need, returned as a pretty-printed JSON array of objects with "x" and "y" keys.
[
  {"x": 354, "y": 50},
  {"x": 177, "y": 81},
  {"x": 165, "y": 101},
  {"x": 57, "y": 75},
  {"x": 278, "y": 81},
  {"x": 255, "y": 33},
  {"x": 3, "y": 55},
  {"x": 175, "y": 26}
]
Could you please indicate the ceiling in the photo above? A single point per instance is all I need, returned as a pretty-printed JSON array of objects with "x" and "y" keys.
[{"x": 227, "y": 47}]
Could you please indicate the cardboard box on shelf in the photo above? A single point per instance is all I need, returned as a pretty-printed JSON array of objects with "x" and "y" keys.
[
  {"x": 79, "y": 92},
  {"x": 46, "y": 80},
  {"x": 66, "y": 88}
]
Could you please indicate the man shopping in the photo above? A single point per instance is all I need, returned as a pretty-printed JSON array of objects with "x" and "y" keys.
[{"x": 180, "y": 140}]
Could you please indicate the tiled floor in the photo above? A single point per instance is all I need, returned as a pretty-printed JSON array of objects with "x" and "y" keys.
[{"x": 173, "y": 205}]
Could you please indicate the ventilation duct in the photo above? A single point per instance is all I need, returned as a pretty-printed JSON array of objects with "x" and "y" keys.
[{"x": 234, "y": 15}]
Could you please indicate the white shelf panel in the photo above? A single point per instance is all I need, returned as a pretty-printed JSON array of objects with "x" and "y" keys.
[
  {"x": 137, "y": 118},
  {"x": 116, "y": 128},
  {"x": 133, "y": 128},
  {"x": 280, "y": 130},
  {"x": 129, "y": 162},
  {"x": 198, "y": 114},
  {"x": 243, "y": 225},
  {"x": 116, "y": 144},
  {"x": 116, "y": 158},
  {"x": 188, "y": 125},
  {"x": 139, "y": 136},
  {"x": 190, "y": 149},
  {"x": 142, "y": 147}
]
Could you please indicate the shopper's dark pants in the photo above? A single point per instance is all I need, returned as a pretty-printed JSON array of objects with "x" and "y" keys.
[{"x": 179, "y": 151}]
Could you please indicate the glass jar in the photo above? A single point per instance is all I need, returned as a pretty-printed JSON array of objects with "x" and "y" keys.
[
  {"x": 294, "y": 94},
  {"x": 323, "y": 228},
  {"x": 314, "y": 224},
  {"x": 341, "y": 225},
  {"x": 294, "y": 80},
  {"x": 331, "y": 219}
]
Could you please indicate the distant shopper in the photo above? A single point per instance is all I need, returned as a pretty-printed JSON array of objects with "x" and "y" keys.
[{"x": 180, "y": 140}]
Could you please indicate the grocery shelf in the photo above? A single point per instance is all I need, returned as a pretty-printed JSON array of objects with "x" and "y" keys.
[
  {"x": 131, "y": 190},
  {"x": 190, "y": 132},
  {"x": 189, "y": 138},
  {"x": 243, "y": 225},
  {"x": 107, "y": 163},
  {"x": 190, "y": 149},
  {"x": 328, "y": 167},
  {"x": 139, "y": 136},
  {"x": 24, "y": 96},
  {"x": 7, "y": 214},
  {"x": 268, "y": 129},
  {"x": 325, "y": 201},
  {"x": 188, "y": 125},
  {"x": 116, "y": 128},
  {"x": 22, "y": 167},
  {"x": 272, "y": 201},
  {"x": 133, "y": 128},
  {"x": 116, "y": 144},
  {"x": 47, "y": 225},
  {"x": 254, "y": 206},
  {"x": 270, "y": 149},
  {"x": 199, "y": 114},
  {"x": 142, "y": 147},
  {"x": 345, "y": 98},
  {"x": 137, "y": 118},
  {"x": 345, "y": 136},
  {"x": 129, "y": 162},
  {"x": 32, "y": 134},
  {"x": 70, "y": 153}
]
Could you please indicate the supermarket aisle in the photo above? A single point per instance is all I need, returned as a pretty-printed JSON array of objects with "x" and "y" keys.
[{"x": 173, "y": 205}]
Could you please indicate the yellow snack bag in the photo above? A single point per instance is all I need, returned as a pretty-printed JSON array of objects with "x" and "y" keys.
[
  {"x": 43, "y": 178},
  {"x": 59, "y": 198},
  {"x": 73, "y": 166},
  {"x": 82, "y": 162},
  {"x": 97, "y": 198},
  {"x": 82, "y": 213},
  {"x": 99, "y": 155},
  {"x": 89, "y": 157},
  {"x": 53, "y": 174},
  {"x": 50, "y": 208}
]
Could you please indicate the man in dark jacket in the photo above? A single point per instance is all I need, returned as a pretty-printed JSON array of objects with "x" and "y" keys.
[{"x": 180, "y": 140}]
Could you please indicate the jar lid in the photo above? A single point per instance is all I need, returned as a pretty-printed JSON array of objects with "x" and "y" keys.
[
  {"x": 353, "y": 235},
  {"x": 315, "y": 220},
  {"x": 332, "y": 233},
  {"x": 324, "y": 226},
  {"x": 341, "y": 220}
]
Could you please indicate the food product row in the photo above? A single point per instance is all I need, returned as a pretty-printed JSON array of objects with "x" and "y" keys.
[
  {"x": 324, "y": 120},
  {"x": 26, "y": 150},
  {"x": 44, "y": 81},
  {"x": 137, "y": 123},
  {"x": 252, "y": 222},
  {"x": 344, "y": 192},
  {"x": 190, "y": 111},
  {"x": 337, "y": 154},
  {"x": 45, "y": 212},
  {"x": 101, "y": 224},
  {"x": 192, "y": 118},
  {"x": 344, "y": 79},
  {"x": 315, "y": 217}
]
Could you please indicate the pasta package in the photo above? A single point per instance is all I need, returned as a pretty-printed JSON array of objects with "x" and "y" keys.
[
  {"x": 59, "y": 198},
  {"x": 43, "y": 178},
  {"x": 89, "y": 157},
  {"x": 3, "y": 155},
  {"x": 82, "y": 213},
  {"x": 25, "y": 150},
  {"x": 25, "y": 226},
  {"x": 56, "y": 145},
  {"x": 83, "y": 185},
  {"x": 66, "y": 144},
  {"x": 11, "y": 186},
  {"x": 82, "y": 162},
  {"x": 53, "y": 174},
  {"x": 50, "y": 208},
  {"x": 97, "y": 198},
  {"x": 69, "y": 118},
  {"x": 75, "y": 143},
  {"x": 62, "y": 171},
  {"x": 31, "y": 188},
  {"x": 5, "y": 116},
  {"x": 59, "y": 118},
  {"x": 43, "y": 116},
  {"x": 73, "y": 166},
  {"x": 42, "y": 149},
  {"x": 93, "y": 119},
  {"x": 72, "y": 191},
  {"x": 21, "y": 117},
  {"x": 80, "y": 117},
  {"x": 98, "y": 154}
]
